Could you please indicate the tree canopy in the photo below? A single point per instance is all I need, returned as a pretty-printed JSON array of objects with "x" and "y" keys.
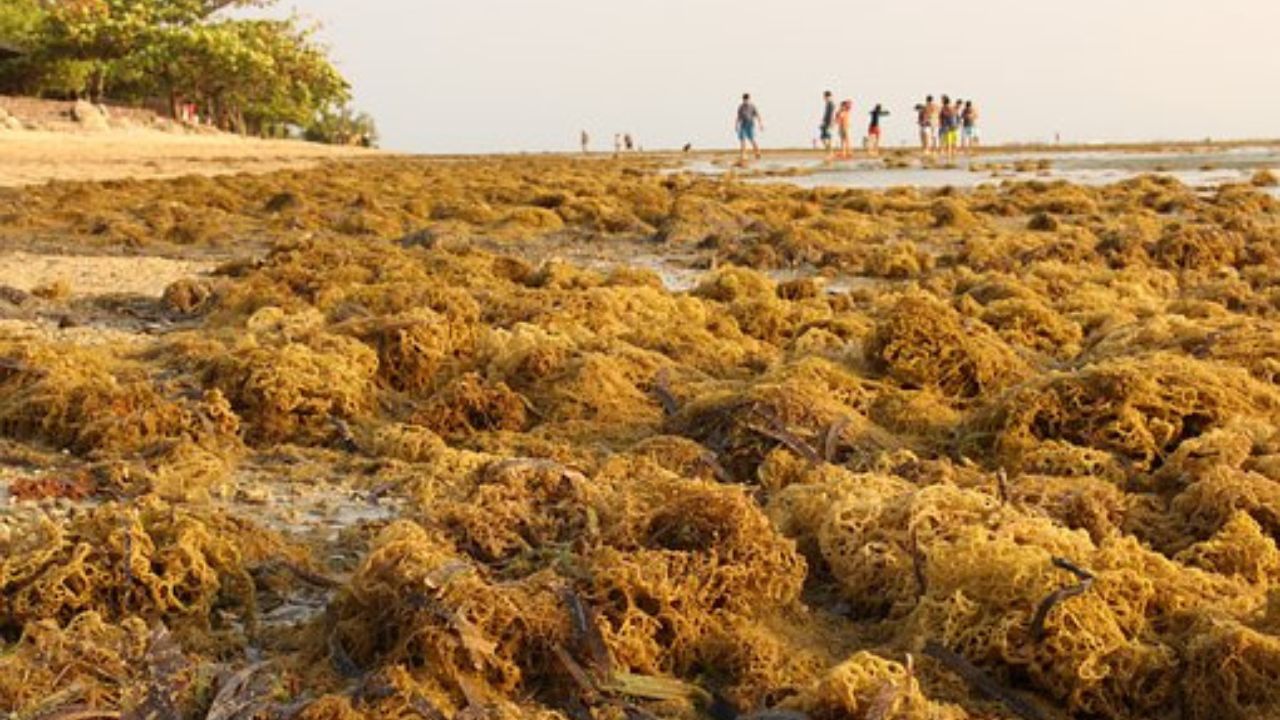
[{"x": 250, "y": 75}]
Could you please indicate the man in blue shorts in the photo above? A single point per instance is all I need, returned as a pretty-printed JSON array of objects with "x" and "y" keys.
[{"x": 748, "y": 121}]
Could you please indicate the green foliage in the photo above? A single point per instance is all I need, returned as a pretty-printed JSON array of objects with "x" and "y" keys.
[
  {"x": 249, "y": 75},
  {"x": 20, "y": 21},
  {"x": 342, "y": 126}
]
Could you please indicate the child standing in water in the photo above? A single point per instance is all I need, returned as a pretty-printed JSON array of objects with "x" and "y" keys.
[
  {"x": 844, "y": 121},
  {"x": 873, "y": 130}
]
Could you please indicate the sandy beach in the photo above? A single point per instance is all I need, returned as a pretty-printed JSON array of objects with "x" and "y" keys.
[{"x": 32, "y": 156}]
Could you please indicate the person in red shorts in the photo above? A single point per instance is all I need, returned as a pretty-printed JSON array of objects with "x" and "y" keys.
[{"x": 873, "y": 131}]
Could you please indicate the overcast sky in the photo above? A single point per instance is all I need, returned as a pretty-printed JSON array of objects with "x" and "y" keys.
[{"x": 509, "y": 75}]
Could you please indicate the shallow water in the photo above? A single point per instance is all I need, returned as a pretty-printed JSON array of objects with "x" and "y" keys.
[{"x": 1209, "y": 168}]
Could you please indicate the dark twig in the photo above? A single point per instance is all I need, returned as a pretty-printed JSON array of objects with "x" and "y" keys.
[
  {"x": 776, "y": 430},
  {"x": 775, "y": 715},
  {"x": 309, "y": 576},
  {"x": 918, "y": 564},
  {"x": 424, "y": 708},
  {"x": 662, "y": 390},
  {"x": 1002, "y": 486},
  {"x": 834, "y": 433},
  {"x": 982, "y": 682},
  {"x": 340, "y": 660},
  {"x": 1042, "y": 611},
  {"x": 709, "y": 459},
  {"x": 587, "y": 634},
  {"x": 590, "y": 693}
]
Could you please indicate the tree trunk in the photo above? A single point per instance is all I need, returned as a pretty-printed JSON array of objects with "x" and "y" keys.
[{"x": 99, "y": 83}]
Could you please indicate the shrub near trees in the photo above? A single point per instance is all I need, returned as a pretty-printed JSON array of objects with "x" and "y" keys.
[{"x": 255, "y": 76}]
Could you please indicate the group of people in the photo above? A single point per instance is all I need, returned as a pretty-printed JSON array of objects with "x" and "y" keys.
[
  {"x": 945, "y": 128},
  {"x": 621, "y": 142},
  {"x": 838, "y": 123}
]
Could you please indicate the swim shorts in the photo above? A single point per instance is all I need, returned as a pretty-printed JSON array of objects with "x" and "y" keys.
[
  {"x": 824, "y": 133},
  {"x": 873, "y": 131},
  {"x": 747, "y": 133}
]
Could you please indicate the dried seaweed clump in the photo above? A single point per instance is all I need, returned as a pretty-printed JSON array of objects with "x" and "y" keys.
[
  {"x": 897, "y": 261},
  {"x": 1197, "y": 247},
  {"x": 633, "y": 570},
  {"x": 470, "y": 404},
  {"x": 973, "y": 574},
  {"x": 148, "y": 559},
  {"x": 188, "y": 296},
  {"x": 415, "y": 602},
  {"x": 920, "y": 342},
  {"x": 92, "y": 656},
  {"x": 1034, "y": 325},
  {"x": 1120, "y": 416},
  {"x": 291, "y": 384},
  {"x": 418, "y": 349},
  {"x": 869, "y": 686},
  {"x": 813, "y": 407},
  {"x": 94, "y": 403},
  {"x": 694, "y": 219}
]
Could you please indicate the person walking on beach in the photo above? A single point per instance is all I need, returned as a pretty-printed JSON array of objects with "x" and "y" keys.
[
  {"x": 873, "y": 130},
  {"x": 969, "y": 126},
  {"x": 844, "y": 122},
  {"x": 585, "y": 140},
  {"x": 947, "y": 129},
  {"x": 828, "y": 120},
  {"x": 928, "y": 121},
  {"x": 628, "y": 142},
  {"x": 748, "y": 122}
]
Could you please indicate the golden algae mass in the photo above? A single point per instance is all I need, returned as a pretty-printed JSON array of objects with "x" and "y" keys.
[{"x": 567, "y": 439}]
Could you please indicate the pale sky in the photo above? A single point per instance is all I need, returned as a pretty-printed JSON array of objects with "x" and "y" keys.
[{"x": 446, "y": 76}]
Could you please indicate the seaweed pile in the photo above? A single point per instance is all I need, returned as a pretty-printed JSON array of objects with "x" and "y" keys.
[{"x": 1004, "y": 453}]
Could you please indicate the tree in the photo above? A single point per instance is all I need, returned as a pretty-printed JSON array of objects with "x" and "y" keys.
[
  {"x": 342, "y": 126},
  {"x": 37, "y": 70},
  {"x": 251, "y": 76}
]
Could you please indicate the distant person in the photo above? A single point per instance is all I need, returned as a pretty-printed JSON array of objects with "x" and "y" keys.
[
  {"x": 844, "y": 123},
  {"x": 688, "y": 148},
  {"x": 928, "y": 121},
  {"x": 969, "y": 127},
  {"x": 873, "y": 130},
  {"x": 628, "y": 142},
  {"x": 748, "y": 121},
  {"x": 828, "y": 121},
  {"x": 585, "y": 140},
  {"x": 948, "y": 129}
]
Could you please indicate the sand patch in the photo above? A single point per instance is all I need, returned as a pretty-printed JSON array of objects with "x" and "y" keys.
[
  {"x": 88, "y": 275},
  {"x": 34, "y": 157}
]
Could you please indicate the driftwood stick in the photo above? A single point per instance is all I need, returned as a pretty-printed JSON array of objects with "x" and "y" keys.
[
  {"x": 982, "y": 682},
  {"x": 1060, "y": 595}
]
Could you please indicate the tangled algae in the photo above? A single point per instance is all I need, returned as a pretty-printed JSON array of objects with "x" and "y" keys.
[{"x": 1010, "y": 450}]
